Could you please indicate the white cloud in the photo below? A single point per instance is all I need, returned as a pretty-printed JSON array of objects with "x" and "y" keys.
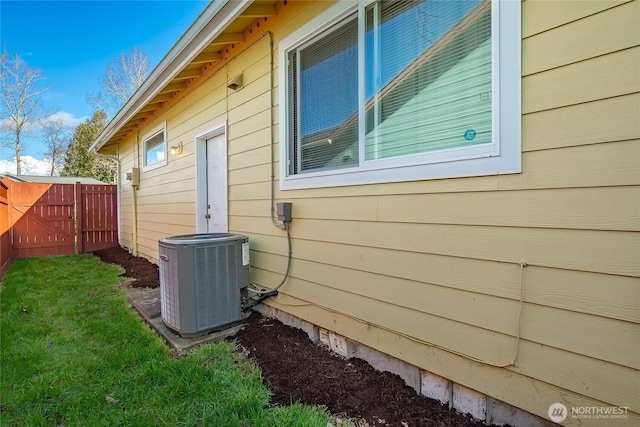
[
  {"x": 30, "y": 166},
  {"x": 67, "y": 119}
]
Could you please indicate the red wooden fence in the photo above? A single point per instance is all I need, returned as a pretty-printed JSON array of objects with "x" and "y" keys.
[
  {"x": 98, "y": 218},
  {"x": 5, "y": 238},
  {"x": 42, "y": 217},
  {"x": 57, "y": 219}
]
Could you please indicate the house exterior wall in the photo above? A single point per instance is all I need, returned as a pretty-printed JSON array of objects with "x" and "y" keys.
[
  {"x": 454, "y": 276},
  {"x": 165, "y": 199}
]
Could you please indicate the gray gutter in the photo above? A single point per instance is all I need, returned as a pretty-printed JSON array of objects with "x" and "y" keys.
[{"x": 209, "y": 25}]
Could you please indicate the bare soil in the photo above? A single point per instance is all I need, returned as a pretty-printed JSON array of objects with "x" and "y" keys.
[{"x": 297, "y": 370}]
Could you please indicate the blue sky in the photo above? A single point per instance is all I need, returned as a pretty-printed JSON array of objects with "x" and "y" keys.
[{"x": 73, "y": 41}]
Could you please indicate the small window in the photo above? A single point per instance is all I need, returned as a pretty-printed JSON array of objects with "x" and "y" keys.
[
  {"x": 155, "y": 148},
  {"x": 384, "y": 91}
]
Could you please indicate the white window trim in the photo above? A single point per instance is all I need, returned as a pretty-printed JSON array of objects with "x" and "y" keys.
[
  {"x": 501, "y": 157},
  {"x": 162, "y": 127}
]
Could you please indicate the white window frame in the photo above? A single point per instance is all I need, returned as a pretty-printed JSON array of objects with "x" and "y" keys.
[
  {"x": 161, "y": 128},
  {"x": 502, "y": 156}
]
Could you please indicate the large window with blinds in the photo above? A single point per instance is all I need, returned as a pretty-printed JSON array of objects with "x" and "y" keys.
[{"x": 402, "y": 90}]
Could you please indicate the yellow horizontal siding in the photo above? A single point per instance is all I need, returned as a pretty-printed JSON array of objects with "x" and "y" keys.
[
  {"x": 586, "y": 250},
  {"x": 601, "y": 165},
  {"x": 186, "y": 209},
  {"x": 247, "y": 159},
  {"x": 381, "y": 305},
  {"x": 251, "y": 141},
  {"x": 154, "y": 231},
  {"x": 250, "y": 117},
  {"x": 602, "y": 208},
  {"x": 457, "y": 305},
  {"x": 197, "y": 121},
  {"x": 161, "y": 223},
  {"x": 415, "y": 273},
  {"x": 582, "y": 124},
  {"x": 247, "y": 191},
  {"x": 148, "y": 248},
  {"x": 336, "y": 208},
  {"x": 543, "y": 15},
  {"x": 603, "y": 77},
  {"x": 597, "y": 337},
  {"x": 250, "y": 208},
  {"x": 155, "y": 186},
  {"x": 181, "y": 165},
  {"x": 566, "y": 44},
  {"x": 255, "y": 174},
  {"x": 256, "y": 89},
  {"x": 188, "y": 113},
  {"x": 150, "y": 234},
  {"x": 178, "y": 198},
  {"x": 616, "y": 297},
  {"x": 300, "y": 13},
  {"x": 610, "y": 383},
  {"x": 471, "y": 340}
]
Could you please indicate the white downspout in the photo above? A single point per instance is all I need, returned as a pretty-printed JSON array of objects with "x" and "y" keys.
[{"x": 134, "y": 201}]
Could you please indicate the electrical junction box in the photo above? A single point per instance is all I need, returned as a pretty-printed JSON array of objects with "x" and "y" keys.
[
  {"x": 132, "y": 175},
  {"x": 283, "y": 210}
]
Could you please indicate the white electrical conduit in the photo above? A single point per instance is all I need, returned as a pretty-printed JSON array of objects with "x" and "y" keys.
[
  {"x": 522, "y": 265},
  {"x": 263, "y": 293}
]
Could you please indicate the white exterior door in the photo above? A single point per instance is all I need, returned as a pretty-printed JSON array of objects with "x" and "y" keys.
[{"x": 216, "y": 206}]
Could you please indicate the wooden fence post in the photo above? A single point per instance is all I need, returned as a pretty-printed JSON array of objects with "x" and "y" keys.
[{"x": 79, "y": 218}]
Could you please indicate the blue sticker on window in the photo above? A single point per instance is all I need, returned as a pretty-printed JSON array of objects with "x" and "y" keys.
[{"x": 470, "y": 134}]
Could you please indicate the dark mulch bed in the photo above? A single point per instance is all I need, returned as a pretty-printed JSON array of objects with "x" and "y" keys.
[
  {"x": 144, "y": 272},
  {"x": 297, "y": 370}
]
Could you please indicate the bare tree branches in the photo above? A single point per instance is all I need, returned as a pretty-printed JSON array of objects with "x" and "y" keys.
[
  {"x": 19, "y": 101},
  {"x": 56, "y": 136},
  {"x": 122, "y": 78}
]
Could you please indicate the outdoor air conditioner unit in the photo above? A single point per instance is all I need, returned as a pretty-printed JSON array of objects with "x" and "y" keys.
[{"x": 203, "y": 279}]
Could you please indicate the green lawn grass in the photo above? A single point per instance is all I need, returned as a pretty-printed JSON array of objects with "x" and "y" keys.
[{"x": 73, "y": 353}]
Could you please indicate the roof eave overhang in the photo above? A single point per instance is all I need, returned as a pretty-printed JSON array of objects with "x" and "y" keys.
[{"x": 209, "y": 25}]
